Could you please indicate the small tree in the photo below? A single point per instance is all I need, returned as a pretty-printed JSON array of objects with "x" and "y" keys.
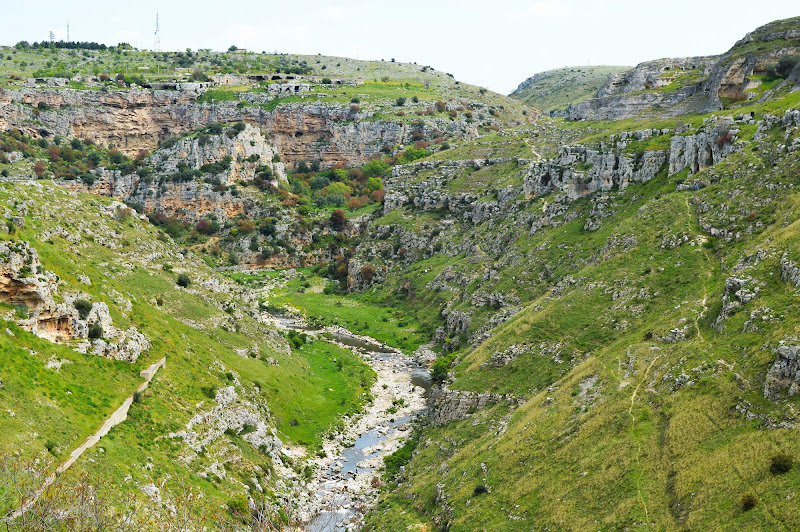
[
  {"x": 95, "y": 330},
  {"x": 401, "y": 101},
  {"x": 83, "y": 307},
  {"x": 367, "y": 273},
  {"x": 183, "y": 280},
  {"x": 338, "y": 220},
  {"x": 38, "y": 168}
]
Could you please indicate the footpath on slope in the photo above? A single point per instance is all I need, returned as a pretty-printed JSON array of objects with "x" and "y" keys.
[{"x": 119, "y": 415}]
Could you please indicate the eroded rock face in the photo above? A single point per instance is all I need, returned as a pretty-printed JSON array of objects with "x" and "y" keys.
[
  {"x": 446, "y": 405},
  {"x": 635, "y": 93},
  {"x": 142, "y": 119},
  {"x": 24, "y": 283},
  {"x": 783, "y": 378},
  {"x": 231, "y": 413},
  {"x": 192, "y": 200}
]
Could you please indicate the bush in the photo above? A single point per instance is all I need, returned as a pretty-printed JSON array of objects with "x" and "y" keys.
[
  {"x": 183, "y": 280},
  {"x": 239, "y": 506},
  {"x": 83, "y": 307},
  {"x": 749, "y": 501},
  {"x": 367, "y": 273},
  {"x": 480, "y": 489},
  {"x": 338, "y": 220},
  {"x": 95, "y": 330},
  {"x": 781, "y": 463},
  {"x": 401, "y": 101}
]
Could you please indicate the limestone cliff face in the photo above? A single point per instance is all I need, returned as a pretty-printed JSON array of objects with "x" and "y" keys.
[
  {"x": 433, "y": 194},
  {"x": 196, "y": 198},
  {"x": 25, "y": 284},
  {"x": 635, "y": 93},
  {"x": 578, "y": 170},
  {"x": 248, "y": 150},
  {"x": 141, "y": 119}
]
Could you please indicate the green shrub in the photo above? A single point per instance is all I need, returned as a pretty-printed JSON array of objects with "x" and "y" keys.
[
  {"x": 183, "y": 280},
  {"x": 400, "y": 457},
  {"x": 781, "y": 463},
  {"x": 95, "y": 330},
  {"x": 749, "y": 501},
  {"x": 480, "y": 489},
  {"x": 83, "y": 307},
  {"x": 238, "y": 506}
]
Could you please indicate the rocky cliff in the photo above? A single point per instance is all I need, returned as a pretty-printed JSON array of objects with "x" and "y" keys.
[
  {"x": 27, "y": 286},
  {"x": 579, "y": 170},
  {"x": 673, "y": 87},
  {"x": 137, "y": 120}
]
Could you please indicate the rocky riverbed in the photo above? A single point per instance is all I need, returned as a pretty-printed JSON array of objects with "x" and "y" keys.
[{"x": 347, "y": 476}]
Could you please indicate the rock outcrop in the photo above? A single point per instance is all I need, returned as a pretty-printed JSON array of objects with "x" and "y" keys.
[
  {"x": 446, "y": 406},
  {"x": 142, "y": 119},
  {"x": 784, "y": 375},
  {"x": 26, "y": 285},
  {"x": 702, "y": 83}
]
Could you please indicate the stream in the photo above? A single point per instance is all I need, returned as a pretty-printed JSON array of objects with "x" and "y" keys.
[{"x": 343, "y": 488}]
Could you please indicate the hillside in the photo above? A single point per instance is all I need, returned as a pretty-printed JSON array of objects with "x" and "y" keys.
[
  {"x": 403, "y": 303},
  {"x": 555, "y": 90}
]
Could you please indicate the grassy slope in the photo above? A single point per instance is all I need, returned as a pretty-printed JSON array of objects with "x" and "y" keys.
[
  {"x": 610, "y": 435},
  {"x": 557, "y": 89},
  {"x": 305, "y": 386}
]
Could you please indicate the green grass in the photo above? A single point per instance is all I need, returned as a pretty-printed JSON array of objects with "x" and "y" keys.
[
  {"x": 193, "y": 332},
  {"x": 360, "y": 313}
]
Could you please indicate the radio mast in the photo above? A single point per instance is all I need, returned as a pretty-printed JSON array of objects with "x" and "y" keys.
[{"x": 157, "y": 43}]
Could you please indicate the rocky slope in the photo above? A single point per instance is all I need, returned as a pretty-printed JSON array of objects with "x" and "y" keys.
[
  {"x": 681, "y": 86},
  {"x": 555, "y": 90}
]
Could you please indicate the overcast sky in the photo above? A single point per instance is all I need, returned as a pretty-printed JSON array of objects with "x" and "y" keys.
[{"x": 493, "y": 43}]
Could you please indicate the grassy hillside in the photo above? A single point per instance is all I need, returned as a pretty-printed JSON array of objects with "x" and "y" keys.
[
  {"x": 207, "y": 335},
  {"x": 635, "y": 374},
  {"x": 555, "y": 90}
]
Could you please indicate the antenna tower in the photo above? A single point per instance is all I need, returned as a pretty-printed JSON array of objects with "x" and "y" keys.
[
  {"x": 67, "y": 31},
  {"x": 52, "y": 37},
  {"x": 157, "y": 43}
]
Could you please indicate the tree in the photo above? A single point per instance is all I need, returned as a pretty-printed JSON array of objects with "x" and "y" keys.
[
  {"x": 183, "y": 281},
  {"x": 338, "y": 220},
  {"x": 232, "y": 48},
  {"x": 95, "y": 330},
  {"x": 38, "y": 168},
  {"x": 401, "y": 101},
  {"x": 367, "y": 273}
]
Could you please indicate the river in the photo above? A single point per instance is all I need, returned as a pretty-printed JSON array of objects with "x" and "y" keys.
[{"x": 346, "y": 481}]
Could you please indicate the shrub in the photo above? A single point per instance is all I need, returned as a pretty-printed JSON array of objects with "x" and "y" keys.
[
  {"x": 183, "y": 280},
  {"x": 95, "y": 330},
  {"x": 480, "y": 489},
  {"x": 239, "y": 506},
  {"x": 440, "y": 106},
  {"x": 749, "y": 501},
  {"x": 367, "y": 273},
  {"x": 83, "y": 307},
  {"x": 781, "y": 463},
  {"x": 338, "y": 220},
  {"x": 401, "y": 101},
  {"x": 38, "y": 168}
]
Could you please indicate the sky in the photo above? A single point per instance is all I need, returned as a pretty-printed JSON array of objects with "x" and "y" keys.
[{"x": 491, "y": 43}]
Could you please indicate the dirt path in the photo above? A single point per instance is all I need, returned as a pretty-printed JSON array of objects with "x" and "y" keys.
[{"x": 119, "y": 415}]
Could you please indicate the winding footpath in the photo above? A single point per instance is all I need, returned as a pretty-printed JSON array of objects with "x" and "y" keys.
[{"x": 119, "y": 415}]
